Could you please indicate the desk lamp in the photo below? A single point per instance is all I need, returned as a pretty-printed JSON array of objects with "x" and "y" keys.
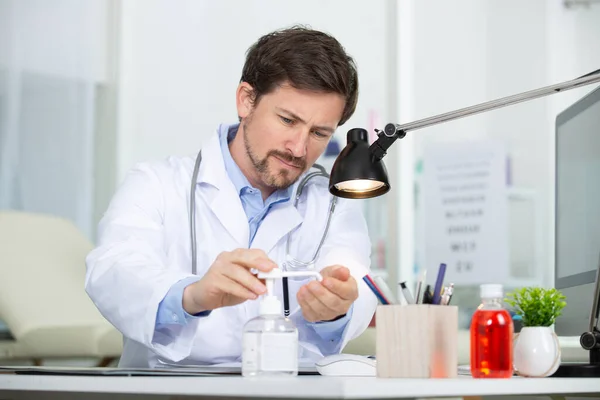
[{"x": 359, "y": 172}]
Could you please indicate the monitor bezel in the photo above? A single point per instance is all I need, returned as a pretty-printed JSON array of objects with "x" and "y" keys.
[{"x": 563, "y": 117}]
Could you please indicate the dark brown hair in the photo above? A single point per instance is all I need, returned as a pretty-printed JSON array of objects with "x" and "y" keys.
[{"x": 307, "y": 59}]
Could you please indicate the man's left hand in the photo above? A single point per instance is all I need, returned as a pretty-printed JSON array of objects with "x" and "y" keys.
[{"x": 329, "y": 299}]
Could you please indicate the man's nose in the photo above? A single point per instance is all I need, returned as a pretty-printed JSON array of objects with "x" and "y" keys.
[{"x": 298, "y": 142}]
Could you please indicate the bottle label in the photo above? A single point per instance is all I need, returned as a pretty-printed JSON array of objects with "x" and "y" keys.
[
  {"x": 250, "y": 351},
  {"x": 279, "y": 351},
  {"x": 270, "y": 351}
]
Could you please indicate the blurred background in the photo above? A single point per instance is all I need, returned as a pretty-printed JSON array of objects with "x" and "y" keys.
[{"x": 88, "y": 88}]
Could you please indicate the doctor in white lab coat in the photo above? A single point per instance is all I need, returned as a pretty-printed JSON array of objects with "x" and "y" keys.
[{"x": 297, "y": 87}]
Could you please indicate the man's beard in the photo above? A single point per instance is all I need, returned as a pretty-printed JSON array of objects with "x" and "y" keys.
[{"x": 279, "y": 179}]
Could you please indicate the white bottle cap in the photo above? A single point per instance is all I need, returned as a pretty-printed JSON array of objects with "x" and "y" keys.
[
  {"x": 490, "y": 291},
  {"x": 270, "y": 305}
]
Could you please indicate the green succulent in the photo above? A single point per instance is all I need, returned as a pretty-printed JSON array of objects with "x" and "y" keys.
[{"x": 536, "y": 306}]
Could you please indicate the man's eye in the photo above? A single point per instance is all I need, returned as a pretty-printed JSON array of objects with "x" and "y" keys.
[
  {"x": 319, "y": 134},
  {"x": 286, "y": 120}
]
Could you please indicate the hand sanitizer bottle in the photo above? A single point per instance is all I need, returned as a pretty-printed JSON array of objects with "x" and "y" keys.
[{"x": 270, "y": 341}]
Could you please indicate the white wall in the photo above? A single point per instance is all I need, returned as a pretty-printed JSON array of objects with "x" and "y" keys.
[
  {"x": 466, "y": 52},
  {"x": 63, "y": 39},
  {"x": 181, "y": 63},
  {"x": 177, "y": 83}
]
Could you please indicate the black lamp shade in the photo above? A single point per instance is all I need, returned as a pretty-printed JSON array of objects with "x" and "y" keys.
[{"x": 355, "y": 174}]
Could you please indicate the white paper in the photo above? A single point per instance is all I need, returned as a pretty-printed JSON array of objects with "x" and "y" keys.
[
  {"x": 465, "y": 212},
  {"x": 227, "y": 367}
]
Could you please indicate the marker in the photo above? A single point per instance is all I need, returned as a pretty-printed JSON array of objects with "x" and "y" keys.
[
  {"x": 438, "y": 284},
  {"x": 406, "y": 292},
  {"x": 427, "y": 298}
]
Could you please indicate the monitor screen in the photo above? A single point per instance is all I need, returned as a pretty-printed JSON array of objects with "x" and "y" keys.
[{"x": 577, "y": 239}]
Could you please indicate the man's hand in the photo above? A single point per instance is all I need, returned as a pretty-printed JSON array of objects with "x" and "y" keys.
[
  {"x": 228, "y": 281},
  {"x": 327, "y": 300}
]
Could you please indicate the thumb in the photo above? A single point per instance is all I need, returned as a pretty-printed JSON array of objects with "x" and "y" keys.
[{"x": 336, "y": 271}]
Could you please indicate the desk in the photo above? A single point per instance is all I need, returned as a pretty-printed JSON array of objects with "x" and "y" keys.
[{"x": 302, "y": 387}]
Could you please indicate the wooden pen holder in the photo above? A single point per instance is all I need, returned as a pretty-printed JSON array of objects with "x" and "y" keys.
[{"x": 417, "y": 341}]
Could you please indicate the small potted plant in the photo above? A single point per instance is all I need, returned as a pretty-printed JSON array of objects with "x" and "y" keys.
[{"x": 536, "y": 347}]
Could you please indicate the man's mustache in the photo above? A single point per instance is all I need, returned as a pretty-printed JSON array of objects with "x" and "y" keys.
[{"x": 299, "y": 162}]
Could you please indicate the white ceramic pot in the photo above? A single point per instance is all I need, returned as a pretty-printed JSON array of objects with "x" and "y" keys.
[{"x": 536, "y": 352}]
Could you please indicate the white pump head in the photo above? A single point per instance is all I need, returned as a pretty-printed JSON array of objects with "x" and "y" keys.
[{"x": 270, "y": 304}]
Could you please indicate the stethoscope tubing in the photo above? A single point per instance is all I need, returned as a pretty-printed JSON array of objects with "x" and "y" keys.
[{"x": 293, "y": 263}]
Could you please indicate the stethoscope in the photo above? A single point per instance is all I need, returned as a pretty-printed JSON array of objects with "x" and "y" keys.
[{"x": 289, "y": 262}]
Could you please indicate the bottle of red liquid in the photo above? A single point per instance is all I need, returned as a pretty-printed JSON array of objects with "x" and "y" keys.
[{"x": 491, "y": 336}]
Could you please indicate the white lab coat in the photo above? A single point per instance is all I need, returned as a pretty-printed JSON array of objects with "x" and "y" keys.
[{"x": 144, "y": 248}]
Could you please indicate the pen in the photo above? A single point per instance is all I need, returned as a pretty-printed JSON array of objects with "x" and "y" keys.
[
  {"x": 385, "y": 290},
  {"x": 419, "y": 286},
  {"x": 406, "y": 292},
  {"x": 427, "y": 298},
  {"x": 374, "y": 289},
  {"x": 447, "y": 296},
  {"x": 438, "y": 284},
  {"x": 444, "y": 297}
]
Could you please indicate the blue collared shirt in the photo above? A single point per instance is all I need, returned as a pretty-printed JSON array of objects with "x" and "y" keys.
[
  {"x": 256, "y": 209},
  {"x": 170, "y": 309}
]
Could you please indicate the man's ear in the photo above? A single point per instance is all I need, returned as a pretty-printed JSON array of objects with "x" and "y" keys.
[{"x": 244, "y": 99}]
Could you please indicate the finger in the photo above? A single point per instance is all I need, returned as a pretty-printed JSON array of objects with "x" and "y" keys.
[
  {"x": 336, "y": 271},
  {"x": 330, "y": 300},
  {"x": 252, "y": 258},
  {"x": 244, "y": 277},
  {"x": 316, "y": 306},
  {"x": 307, "y": 312},
  {"x": 347, "y": 290},
  {"x": 233, "y": 288}
]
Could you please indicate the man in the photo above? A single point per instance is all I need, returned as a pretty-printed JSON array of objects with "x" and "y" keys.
[{"x": 297, "y": 86}]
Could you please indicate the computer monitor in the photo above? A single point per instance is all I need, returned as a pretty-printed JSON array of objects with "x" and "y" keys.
[{"x": 577, "y": 235}]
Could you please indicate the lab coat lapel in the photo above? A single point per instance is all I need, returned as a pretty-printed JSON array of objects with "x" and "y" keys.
[
  {"x": 228, "y": 208},
  {"x": 225, "y": 203},
  {"x": 280, "y": 221}
]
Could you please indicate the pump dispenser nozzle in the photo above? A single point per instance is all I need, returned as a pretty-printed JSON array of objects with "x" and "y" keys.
[{"x": 270, "y": 304}]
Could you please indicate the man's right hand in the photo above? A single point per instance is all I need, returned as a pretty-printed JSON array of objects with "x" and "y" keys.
[{"x": 228, "y": 281}]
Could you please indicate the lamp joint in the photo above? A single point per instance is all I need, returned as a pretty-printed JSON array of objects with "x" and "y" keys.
[{"x": 384, "y": 141}]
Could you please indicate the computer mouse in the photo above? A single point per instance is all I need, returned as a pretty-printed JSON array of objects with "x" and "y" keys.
[{"x": 346, "y": 365}]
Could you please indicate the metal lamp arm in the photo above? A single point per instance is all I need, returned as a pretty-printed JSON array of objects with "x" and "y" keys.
[{"x": 392, "y": 132}]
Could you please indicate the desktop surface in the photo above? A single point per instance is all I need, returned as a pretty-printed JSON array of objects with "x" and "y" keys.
[{"x": 304, "y": 387}]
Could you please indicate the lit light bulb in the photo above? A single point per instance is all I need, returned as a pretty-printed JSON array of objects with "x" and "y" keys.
[{"x": 359, "y": 185}]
